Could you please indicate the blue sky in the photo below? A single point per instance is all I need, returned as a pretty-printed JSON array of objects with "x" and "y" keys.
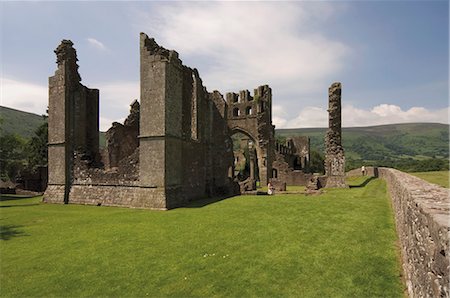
[{"x": 391, "y": 56}]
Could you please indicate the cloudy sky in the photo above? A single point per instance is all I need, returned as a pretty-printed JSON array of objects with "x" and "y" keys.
[{"x": 391, "y": 56}]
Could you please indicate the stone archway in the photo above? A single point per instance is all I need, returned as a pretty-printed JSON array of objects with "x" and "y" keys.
[
  {"x": 253, "y": 115},
  {"x": 246, "y": 152},
  {"x": 263, "y": 143}
]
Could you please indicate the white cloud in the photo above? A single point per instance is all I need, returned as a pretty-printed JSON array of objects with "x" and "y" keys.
[
  {"x": 115, "y": 98},
  {"x": 248, "y": 44},
  {"x": 352, "y": 116},
  {"x": 309, "y": 117},
  {"x": 24, "y": 96},
  {"x": 96, "y": 44},
  {"x": 387, "y": 113}
]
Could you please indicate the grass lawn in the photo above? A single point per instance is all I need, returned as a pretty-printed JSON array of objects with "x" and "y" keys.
[
  {"x": 338, "y": 244},
  {"x": 292, "y": 188},
  {"x": 437, "y": 177}
]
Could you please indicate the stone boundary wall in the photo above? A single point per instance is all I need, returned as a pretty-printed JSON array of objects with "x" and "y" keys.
[{"x": 422, "y": 216}]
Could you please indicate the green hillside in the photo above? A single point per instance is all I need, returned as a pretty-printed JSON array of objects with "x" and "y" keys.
[
  {"x": 18, "y": 122},
  {"x": 409, "y": 146},
  {"x": 387, "y": 145}
]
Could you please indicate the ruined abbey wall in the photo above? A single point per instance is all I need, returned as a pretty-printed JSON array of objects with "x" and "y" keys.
[
  {"x": 182, "y": 129},
  {"x": 252, "y": 115},
  {"x": 291, "y": 162},
  {"x": 422, "y": 216},
  {"x": 173, "y": 147},
  {"x": 73, "y": 123}
]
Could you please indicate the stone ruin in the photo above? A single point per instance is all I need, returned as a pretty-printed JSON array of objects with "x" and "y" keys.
[
  {"x": 334, "y": 152},
  {"x": 176, "y": 144},
  {"x": 290, "y": 166},
  {"x": 252, "y": 117}
]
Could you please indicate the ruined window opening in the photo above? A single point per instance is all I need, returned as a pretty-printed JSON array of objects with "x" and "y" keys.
[
  {"x": 236, "y": 98},
  {"x": 298, "y": 163},
  {"x": 236, "y": 112},
  {"x": 261, "y": 107},
  {"x": 248, "y": 111},
  {"x": 274, "y": 173}
]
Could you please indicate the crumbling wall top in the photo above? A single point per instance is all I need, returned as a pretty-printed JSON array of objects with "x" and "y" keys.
[
  {"x": 66, "y": 54},
  {"x": 262, "y": 93},
  {"x": 336, "y": 89},
  {"x": 154, "y": 49},
  {"x": 65, "y": 51}
]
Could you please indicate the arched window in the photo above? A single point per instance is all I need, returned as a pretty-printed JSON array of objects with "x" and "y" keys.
[
  {"x": 236, "y": 112},
  {"x": 248, "y": 111}
]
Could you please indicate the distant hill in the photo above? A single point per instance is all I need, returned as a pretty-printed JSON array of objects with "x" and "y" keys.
[
  {"x": 384, "y": 144},
  {"x": 18, "y": 122},
  {"x": 396, "y": 145}
]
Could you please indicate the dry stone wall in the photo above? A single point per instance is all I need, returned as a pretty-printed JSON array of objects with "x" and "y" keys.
[{"x": 422, "y": 215}]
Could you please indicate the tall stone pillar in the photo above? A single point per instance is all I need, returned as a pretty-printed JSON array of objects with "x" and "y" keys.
[
  {"x": 160, "y": 139},
  {"x": 73, "y": 123},
  {"x": 59, "y": 140},
  {"x": 334, "y": 153},
  {"x": 266, "y": 134}
]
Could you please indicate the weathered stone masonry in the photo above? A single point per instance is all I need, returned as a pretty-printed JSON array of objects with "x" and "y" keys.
[
  {"x": 178, "y": 145},
  {"x": 422, "y": 215},
  {"x": 73, "y": 123},
  {"x": 334, "y": 152},
  {"x": 174, "y": 147},
  {"x": 252, "y": 116},
  {"x": 291, "y": 162}
]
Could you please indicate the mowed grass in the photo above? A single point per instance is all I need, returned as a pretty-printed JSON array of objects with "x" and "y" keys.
[
  {"x": 339, "y": 244},
  {"x": 437, "y": 177},
  {"x": 289, "y": 188}
]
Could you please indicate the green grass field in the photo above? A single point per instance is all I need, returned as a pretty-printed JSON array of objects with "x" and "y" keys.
[
  {"x": 339, "y": 244},
  {"x": 437, "y": 177}
]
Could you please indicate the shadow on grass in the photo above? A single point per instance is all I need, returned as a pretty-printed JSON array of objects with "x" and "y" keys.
[
  {"x": 204, "y": 202},
  {"x": 207, "y": 201},
  {"x": 9, "y": 231},
  {"x": 364, "y": 183},
  {"x": 5, "y": 197},
  {"x": 19, "y": 205}
]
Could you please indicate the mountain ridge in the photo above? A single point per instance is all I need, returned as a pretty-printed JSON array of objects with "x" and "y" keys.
[{"x": 385, "y": 144}]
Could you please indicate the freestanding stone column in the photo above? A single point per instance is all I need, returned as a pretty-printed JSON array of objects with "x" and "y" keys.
[
  {"x": 334, "y": 153},
  {"x": 73, "y": 123}
]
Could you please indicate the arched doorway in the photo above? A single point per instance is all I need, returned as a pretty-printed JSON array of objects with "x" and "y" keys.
[{"x": 246, "y": 170}]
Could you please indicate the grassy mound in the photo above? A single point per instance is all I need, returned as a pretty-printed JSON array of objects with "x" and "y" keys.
[{"x": 341, "y": 243}]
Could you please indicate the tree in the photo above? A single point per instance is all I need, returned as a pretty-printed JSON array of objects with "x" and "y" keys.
[
  {"x": 316, "y": 163},
  {"x": 12, "y": 156},
  {"x": 37, "y": 147}
]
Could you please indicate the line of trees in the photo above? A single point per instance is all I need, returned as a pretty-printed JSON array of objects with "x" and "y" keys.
[{"x": 19, "y": 155}]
